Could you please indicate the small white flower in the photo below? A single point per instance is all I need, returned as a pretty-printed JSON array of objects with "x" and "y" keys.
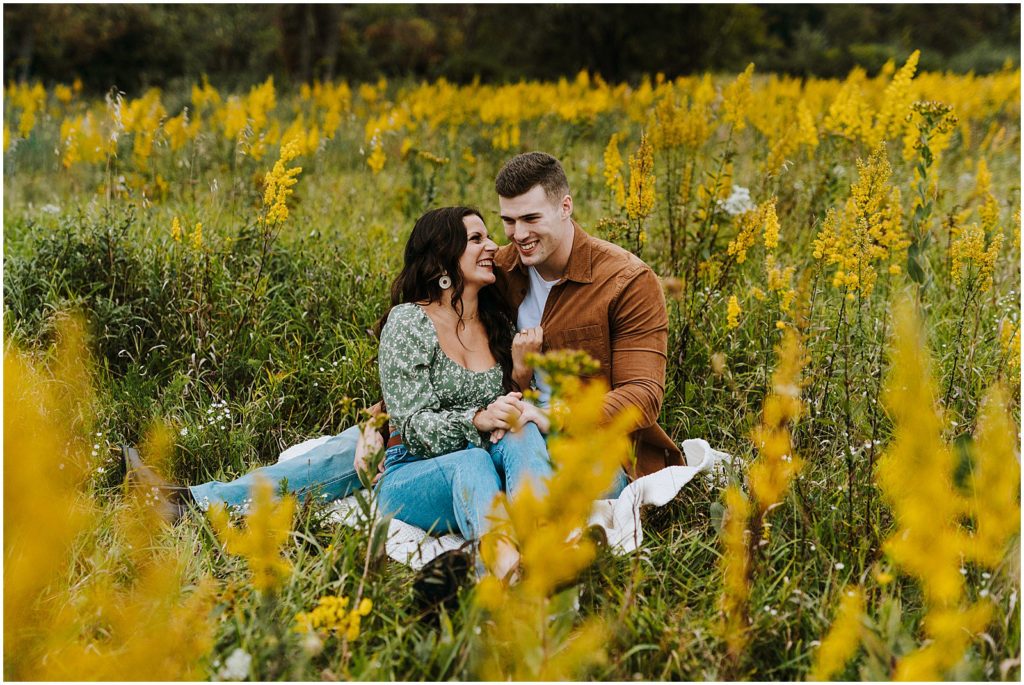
[
  {"x": 738, "y": 201},
  {"x": 983, "y": 593},
  {"x": 100, "y": 469},
  {"x": 183, "y": 431},
  {"x": 986, "y": 575},
  {"x": 236, "y": 667},
  {"x": 840, "y": 566},
  {"x": 963, "y": 571},
  {"x": 321, "y": 368},
  {"x": 312, "y": 644},
  {"x": 813, "y": 548}
]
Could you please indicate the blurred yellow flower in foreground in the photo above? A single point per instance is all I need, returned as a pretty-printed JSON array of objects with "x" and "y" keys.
[
  {"x": 268, "y": 525},
  {"x": 69, "y": 612}
]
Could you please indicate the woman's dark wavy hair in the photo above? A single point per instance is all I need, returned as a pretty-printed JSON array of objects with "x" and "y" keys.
[{"x": 434, "y": 248}]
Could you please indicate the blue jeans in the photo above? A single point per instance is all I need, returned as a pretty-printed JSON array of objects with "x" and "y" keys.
[
  {"x": 326, "y": 470},
  {"x": 455, "y": 492}
]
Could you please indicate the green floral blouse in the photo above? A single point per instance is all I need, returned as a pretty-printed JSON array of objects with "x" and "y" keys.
[{"x": 431, "y": 399}]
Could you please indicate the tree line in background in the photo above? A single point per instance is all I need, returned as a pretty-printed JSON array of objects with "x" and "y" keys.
[{"x": 136, "y": 46}]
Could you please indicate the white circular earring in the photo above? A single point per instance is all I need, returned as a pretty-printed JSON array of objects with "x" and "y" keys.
[{"x": 445, "y": 282}]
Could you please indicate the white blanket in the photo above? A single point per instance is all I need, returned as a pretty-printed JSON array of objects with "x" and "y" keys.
[{"x": 620, "y": 518}]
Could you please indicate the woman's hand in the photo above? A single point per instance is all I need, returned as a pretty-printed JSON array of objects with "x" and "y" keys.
[
  {"x": 501, "y": 414},
  {"x": 527, "y": 413},
  {"x": 527, "y": 341}
]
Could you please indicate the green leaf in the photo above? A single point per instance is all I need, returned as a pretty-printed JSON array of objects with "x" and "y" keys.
[
  {"x": 717, "y": 516},
  {"x": 915, "y": 270}
]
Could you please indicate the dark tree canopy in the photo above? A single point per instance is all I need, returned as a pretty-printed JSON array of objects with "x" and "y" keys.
[{"x": 134, "y": 46}]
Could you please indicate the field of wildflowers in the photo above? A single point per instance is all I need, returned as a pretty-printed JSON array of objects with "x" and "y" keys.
[{"x": 197, "y": 272}]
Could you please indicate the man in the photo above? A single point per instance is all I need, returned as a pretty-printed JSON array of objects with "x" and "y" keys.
[
  {"x": 571, "y": 291},
  {"x": 587, "y": 294}
]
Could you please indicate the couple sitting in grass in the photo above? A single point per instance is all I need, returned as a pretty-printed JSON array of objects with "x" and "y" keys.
[{"x": 453, "y": 346}]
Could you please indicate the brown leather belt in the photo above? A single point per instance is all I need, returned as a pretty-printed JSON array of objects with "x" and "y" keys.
[{"x": 395, "y": 439}]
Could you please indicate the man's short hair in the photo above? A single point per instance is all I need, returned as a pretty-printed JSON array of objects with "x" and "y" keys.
[{"x": 523, "y": 172}]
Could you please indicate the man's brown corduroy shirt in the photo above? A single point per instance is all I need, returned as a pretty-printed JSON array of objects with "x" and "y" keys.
[{"x": 610, "y": 304}]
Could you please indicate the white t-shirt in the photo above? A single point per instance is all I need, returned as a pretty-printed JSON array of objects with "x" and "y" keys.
[{"x": 530, "y": 312}]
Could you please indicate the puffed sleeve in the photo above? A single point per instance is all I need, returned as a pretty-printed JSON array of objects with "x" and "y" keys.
[{"x": 408, "y": 348}]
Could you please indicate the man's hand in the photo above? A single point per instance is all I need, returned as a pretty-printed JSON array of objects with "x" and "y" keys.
[
  {"x": 369, "y": 447},
  {"x": 527, "y": 341},
  {"x": 535, "y": 414}
]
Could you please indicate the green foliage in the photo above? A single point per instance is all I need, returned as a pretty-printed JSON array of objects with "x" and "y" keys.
[{"x": 134, "y": 46}]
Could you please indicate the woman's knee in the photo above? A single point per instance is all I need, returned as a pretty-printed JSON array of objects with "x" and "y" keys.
[{"x": 477, "y": 467}]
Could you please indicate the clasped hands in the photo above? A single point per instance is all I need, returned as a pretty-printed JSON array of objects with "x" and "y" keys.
[{"x": 508, "y": 413}]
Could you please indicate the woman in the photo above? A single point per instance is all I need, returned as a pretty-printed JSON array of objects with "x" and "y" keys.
[{"x": 446, "y": 373}]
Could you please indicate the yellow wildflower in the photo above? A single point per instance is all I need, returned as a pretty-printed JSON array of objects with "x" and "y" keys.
[
  {"x": 67, "y": 610},
  {"x": 951, "y": 633},
  {"x": 916, "y": 475},
  {"x": 268, "y": 525},
  {"x": 849, "y": 115},
  {"x": 776, "y": 464},
  {"x": 807, "y": 133},
  {"x": 204, "y": 95},
  {"x": 982, "y": 180},
  {"x": 733, "y": 313},
  {"x": 771, "y": 225},
  {"x": 973, "y": 264},
  {"x": 197, "y": 236},
  {"x": 62, "y": 93},
  {"x": 613, "y": 171},
  {"x": 868, "y": 231},
  {"x": 278, "y": 185},
  {"x": 843, "y": 638},
  {"x": 746, "y": 236},
  {"x": 176, "y": 230},
  {"x": 332, "y": 616},
  {"x": 737, "y": 99},
  {"x": 735, "y": 568},
  {"x": 995, "y": 481},
  {"x": 519, "y": 641},
  {"x": 916, "y": 470},
  {"x": 1009, "y": 343},
  {"x": 640, "y": 201},
  {"x": 376, "y": 158},
  {"x": 989, "y": 214},
  {"x": 892, "y": 117}
]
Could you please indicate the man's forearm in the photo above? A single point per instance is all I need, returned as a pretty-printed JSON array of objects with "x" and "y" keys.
[{"x": 644, "y": 394}]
